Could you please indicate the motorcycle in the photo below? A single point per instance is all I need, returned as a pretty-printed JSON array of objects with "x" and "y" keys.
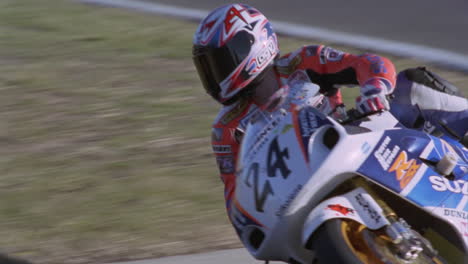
[{"x": 311, "y": 189}]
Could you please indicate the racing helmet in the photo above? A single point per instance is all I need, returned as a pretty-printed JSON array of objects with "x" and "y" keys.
[{"x": 232, "y": 46}]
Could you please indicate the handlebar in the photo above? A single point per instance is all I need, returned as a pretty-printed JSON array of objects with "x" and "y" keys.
[{"x": 354, "y": 115}]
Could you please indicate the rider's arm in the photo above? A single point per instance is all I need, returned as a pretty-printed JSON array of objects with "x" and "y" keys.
[
  {"x": 328, "y": 67},
  {"x": 225, "y": 141},
  {"x": 225, "y": 149}
]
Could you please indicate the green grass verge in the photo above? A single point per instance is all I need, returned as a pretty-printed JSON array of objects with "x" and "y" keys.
[{"x": 104, "y": 136}]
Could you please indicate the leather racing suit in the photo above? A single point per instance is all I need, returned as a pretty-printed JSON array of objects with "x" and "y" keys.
[{"x": 426, "y": 101}]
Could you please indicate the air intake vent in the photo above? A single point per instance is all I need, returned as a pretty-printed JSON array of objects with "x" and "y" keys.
[
  {"x": 331, "y": 137},
  {"x": 256, "y": 238}
]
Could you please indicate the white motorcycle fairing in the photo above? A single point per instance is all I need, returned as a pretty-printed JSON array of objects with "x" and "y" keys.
[
  {"x": 290, "y": 160},
  {"x": 356, "y": 205},
  {"x": 285, "y": 169},
  {"x": 293, "y": 158}
]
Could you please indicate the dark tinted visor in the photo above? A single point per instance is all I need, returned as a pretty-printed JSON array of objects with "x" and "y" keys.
[
  {"x": 216, "y": 64},
  {"x": 206, "y": 76}
]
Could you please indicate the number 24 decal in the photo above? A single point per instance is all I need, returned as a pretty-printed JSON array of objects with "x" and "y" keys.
[{"x": 275, "y": 161}]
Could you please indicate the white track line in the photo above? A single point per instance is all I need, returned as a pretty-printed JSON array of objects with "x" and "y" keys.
[
  {"x": 438, "y": 56},
  {"x": 187, "y": 13}
]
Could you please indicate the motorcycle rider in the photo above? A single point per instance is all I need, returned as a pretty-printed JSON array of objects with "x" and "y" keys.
[{"x": 235, "y": 51}]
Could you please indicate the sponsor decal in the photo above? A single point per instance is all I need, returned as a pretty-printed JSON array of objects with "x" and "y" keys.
[
  {"x": 442, "y": 184},
  {"x": 246, "y": 119},
  {"x": 216, "y": 134},
  {"x": 373, "y": 214},
  {"x": 309, "y": 123},
  {"x": 261, "y": 138},
  {"x": 404, "y": 169},
  {"x": 222, "y": 149},
  {"x": 340, "y": 209},
  {"x": 377, "y": 63},
  {"x": 267, "y": 53},
  {"x": 386, "y": 155},
  {"x": 286, "y": 128},
  {"x": 288, "y": 201},
  {"x": 456, "y": 214},
  {"x": 235, "y": 112},
  {"x": 225, "y": 164},
  {"x": 311, "y": 51},
  {"x": 366, "y": 147},
  {"x": 330, "y": 54},
  {"x": 309, "y": 119}
]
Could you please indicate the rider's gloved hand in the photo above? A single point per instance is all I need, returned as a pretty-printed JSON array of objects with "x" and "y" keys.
[
  {"x": 372, "y": 103},
  {"x": 373, "y": 97}
]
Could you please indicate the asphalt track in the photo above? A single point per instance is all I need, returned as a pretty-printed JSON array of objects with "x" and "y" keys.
[
  {"x": 441, "y": 24},
  {"x": 234, "y": 256},
  {"x": 421, "y": 32}
]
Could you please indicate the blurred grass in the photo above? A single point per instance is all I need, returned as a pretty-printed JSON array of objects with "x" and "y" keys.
[{"x": 104, "y": 136}]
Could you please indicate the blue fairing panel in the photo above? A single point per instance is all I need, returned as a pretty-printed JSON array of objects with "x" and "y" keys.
[
  {"x": 395, "y": 159},
  {"x": 396, "y": 162}
]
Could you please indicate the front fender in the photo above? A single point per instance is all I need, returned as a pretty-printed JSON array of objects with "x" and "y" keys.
[{"x": 357, "y": 205}]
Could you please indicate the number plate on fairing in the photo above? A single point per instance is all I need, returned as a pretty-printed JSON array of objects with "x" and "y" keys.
[{"x": 273, "y": 164}]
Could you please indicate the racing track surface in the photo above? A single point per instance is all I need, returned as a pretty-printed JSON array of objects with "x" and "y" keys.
[
  {"x": 441, "y": 24},
  {"x": 235, "y": 256}
]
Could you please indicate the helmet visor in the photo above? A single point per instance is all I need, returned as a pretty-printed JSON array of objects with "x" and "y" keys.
[{"x": 215, "y": 64}]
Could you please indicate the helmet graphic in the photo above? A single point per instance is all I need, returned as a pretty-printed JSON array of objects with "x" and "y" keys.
[{"x": 231, "y": 47}]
